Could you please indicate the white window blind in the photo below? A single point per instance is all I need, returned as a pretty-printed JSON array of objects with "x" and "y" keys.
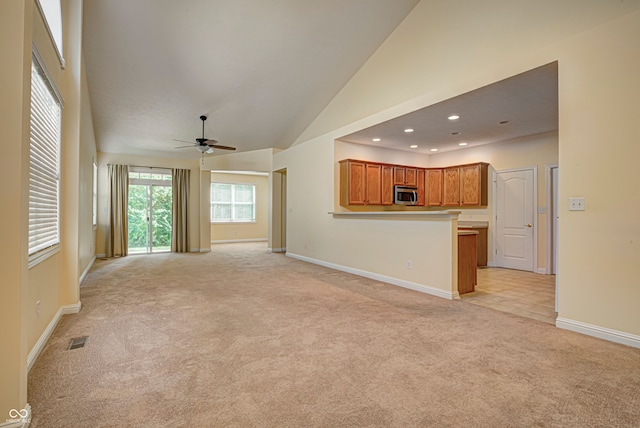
[{"x": 44, "y": 164}]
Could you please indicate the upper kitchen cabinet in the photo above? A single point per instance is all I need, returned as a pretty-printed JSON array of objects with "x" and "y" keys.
[
  {"x": 353, "y": 182},
  {"x": 365, "y": 183},
  {"x": 473, "y": 184},
  {"x": 451, "y": 186},
  {"x": 434, "y": 187},
  {"x": 465, "y": 185},
  {"x": 405, "y": 176}
]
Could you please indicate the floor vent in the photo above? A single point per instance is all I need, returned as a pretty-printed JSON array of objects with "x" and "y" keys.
[{"x": 78, "y": 342}]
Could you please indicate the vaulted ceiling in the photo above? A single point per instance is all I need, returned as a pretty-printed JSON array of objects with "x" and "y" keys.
[{"x": 261, "y": 70}]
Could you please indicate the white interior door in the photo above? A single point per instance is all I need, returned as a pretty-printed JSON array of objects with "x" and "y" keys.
[{"x": 515, "y": 207}]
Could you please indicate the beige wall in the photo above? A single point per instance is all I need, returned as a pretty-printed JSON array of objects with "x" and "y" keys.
[
  {"x": 595, "y": 44},
  {"x": 105, "y": 159},
  {"x": 15, "y": 45},
  {"x": 244, "y": 231},
  {"x": 55, "y": 281}
]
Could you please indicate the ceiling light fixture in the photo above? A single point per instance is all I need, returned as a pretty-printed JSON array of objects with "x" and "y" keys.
[
  {"x": 462, "y": 144},
  {"x": 434, "y": 150},
  {"x": 454, "y": 117},
  {"x": 413, "y": 146},
  {"x": 408, "y": 130},
  {"x": 376, "y": 140}
]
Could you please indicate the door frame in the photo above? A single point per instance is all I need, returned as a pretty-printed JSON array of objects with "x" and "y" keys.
[
  {"x": 533, "y": 168},
  {"x": 552, "y": 187}
]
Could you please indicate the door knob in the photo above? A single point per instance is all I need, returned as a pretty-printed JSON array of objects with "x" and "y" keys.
[{"x": 529, "y": 225}]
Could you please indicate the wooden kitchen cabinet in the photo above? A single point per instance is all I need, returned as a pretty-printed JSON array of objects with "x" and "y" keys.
[
  {"x": 365, "y": 183},
  {"x": 387, "y": 185},
  {"x": 405, "y": 176},
  {"x": 451, "y": 186},
  {"x": 467, "y": 262},
  {"x": 421, "y": 183},
  {"x": 473, "y": 184},
  {"x": 465, "y": 185},
  {"x": 433, "y": 187},
  {"x": 353, "y": 179}
]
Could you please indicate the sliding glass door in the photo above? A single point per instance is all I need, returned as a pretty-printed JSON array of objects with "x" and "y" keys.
[{"x": 150, "y": 210}]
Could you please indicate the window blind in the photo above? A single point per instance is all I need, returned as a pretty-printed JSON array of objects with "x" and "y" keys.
[{"x": 44, "y": 163}]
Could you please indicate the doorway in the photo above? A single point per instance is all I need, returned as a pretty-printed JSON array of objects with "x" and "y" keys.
[{"x": 150, "y": 210}]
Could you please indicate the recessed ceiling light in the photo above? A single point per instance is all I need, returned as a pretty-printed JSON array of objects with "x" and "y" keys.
[
  {"x": 454, "y": 117},
  {"x": 413, "y": 146},
  {"x": 434, "y": 150},
  {"x": 504, "y": 122},
  {"x": 462, "y": 144},
  {"x": 408, "y": 130},
  {"x": 376, "y": 140},
  {"x": 455, "y": 133}
]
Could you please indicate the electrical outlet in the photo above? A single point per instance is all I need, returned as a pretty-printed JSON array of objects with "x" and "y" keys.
[
  {"x": 576, "y": 204},
  {"x": 408, "y": 264},
  {"x": 38, "y": 309}
]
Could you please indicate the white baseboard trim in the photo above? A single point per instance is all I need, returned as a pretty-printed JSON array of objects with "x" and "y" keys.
[
  {"x": 278, "y": 250},
  {"x": 46, "y": 334},
  {"x": 542, "y": 271},
  {"x": 16, "y": 420},
  {"x": 231, "y": 241},
  {"x": 101, "y": 256},
  {"x": 382, "y": 278},
  {"x": 599, "y": 332},
  {"x": 205, "y": 250},
  {"x": 86, "y": 271}
]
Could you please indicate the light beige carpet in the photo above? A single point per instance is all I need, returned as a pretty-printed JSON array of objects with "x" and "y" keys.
[{"x": 243, "y": 338}]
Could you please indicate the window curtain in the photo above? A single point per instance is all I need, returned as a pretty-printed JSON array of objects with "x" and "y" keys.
[
  {"x": 117, "y": 235},
  {"x": 180, "y": 232}
]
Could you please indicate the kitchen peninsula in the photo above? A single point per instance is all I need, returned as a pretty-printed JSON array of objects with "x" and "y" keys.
[{"x": 421, "y": 249}]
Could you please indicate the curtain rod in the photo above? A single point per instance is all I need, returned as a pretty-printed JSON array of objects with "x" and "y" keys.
[{"x": 150, "y": 167}]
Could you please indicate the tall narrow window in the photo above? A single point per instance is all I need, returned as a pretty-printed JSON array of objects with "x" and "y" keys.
[
  {"x": 233, "y": 202},
  {"x": 44, "y": 166},
  {"x": 51, "y": 11}
]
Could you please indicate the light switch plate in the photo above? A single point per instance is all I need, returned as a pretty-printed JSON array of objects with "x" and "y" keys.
[{"x": 576, "y": 204}]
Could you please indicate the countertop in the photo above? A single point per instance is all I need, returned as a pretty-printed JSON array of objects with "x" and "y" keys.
[{"x": 473, "y": 224}]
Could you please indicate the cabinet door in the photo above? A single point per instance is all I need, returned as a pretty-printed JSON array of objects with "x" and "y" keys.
[
  {"x": 421, "y": 187},
  {"x": 374, "y": 184},
  {"x": 451, "y": 187},
  {"x": 411, "y": 177},
  {"x": 352, "y": 183},
  {"x": 470, "y": 185},
  {"x": 387, "y": 185},
  {"x": 398, "y": 175},
  {"x": 434, "y": 187}
]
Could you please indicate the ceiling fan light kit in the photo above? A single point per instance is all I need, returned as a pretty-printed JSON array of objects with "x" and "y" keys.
[{"x": 205, "y": 145}]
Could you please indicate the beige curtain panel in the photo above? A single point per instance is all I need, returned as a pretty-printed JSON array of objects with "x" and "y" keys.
[
  {"x": 180, "y": 232},
  {"x": 117, "y": 234}
]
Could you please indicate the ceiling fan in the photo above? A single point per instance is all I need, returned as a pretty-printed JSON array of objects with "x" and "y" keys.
[{"x": 204, "y": 144}]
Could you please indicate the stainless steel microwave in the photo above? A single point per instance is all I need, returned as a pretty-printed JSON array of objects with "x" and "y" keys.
[{"x": 405, "y": 195}]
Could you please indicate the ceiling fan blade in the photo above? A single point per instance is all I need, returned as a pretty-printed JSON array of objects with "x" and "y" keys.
[
  {"x": 184, "y": 147},
  {"x": 182, "y": 141},
  {"x": 216, "y": 146}
]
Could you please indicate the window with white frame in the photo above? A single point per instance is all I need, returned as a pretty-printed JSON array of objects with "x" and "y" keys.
[
  {"x": 44, "y": 166},
  {"x": 233, "y": 202}
]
